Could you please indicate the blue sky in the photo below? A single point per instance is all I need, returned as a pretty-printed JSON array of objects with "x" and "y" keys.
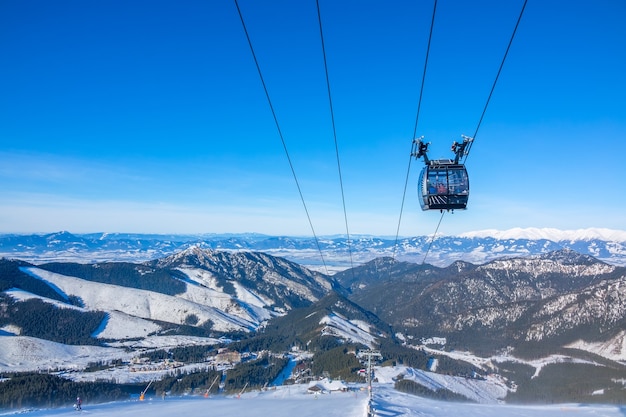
[{"x": 149, "y": 116}]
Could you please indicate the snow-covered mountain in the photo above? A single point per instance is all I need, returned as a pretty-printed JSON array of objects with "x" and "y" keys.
[
  {"x": 476, "y": 247},
  {"x": 557, "y": 299},
  {"x": 259, "y": 279},
  {"x": 222, "y": 311},
  {"x": 221, "y": 293},
  {"x": 216, "y": 290},
  {"x": 546, "y": 303}
]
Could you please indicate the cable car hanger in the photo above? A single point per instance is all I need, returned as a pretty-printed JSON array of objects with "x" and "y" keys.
[{"x": 443, "y": 183}]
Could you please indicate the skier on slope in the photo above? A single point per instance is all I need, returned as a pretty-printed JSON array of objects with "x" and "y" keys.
[{"x": 78, "y": 403}]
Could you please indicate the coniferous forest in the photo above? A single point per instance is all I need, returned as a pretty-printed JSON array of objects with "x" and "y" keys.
[
  {"x": 44, "y": 390},
  {"x": 39, "y": 319}
]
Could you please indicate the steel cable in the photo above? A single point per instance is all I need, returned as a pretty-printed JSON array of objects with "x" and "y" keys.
[{"x": 280, "y": 134}]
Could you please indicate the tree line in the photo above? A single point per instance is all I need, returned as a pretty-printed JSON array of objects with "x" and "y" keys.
[
  {"x": 39, "y": 319},
  {"x": 123, "y": 274},
  {"x": 186, "y": 354},
  {"x": 256, "y": 373},
  {"x": 443, "y": 394},
  {"x": 339, "y": 363},
  {"x": 188, "y": 383},
  {"x": 571, "y": 382},
  {"x": 11, "y": 276},
  {"x": 44, "y": 390}
]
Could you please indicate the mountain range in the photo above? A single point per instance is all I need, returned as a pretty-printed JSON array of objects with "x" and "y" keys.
[
  {"x": 326, "y": 254},
  {"x": 554, "y": 299},
  {"x": 561, "y": 302}
]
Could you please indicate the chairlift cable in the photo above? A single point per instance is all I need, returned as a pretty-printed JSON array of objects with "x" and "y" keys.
[
  {"x": 332, "y": 118},
  {"x": 432, "y": 240},
  {"x": 496, "y": 79},
  {"x": 417, "y": 115},
  {"x": 280, "y": 134},
  {"x": 430, "y": 37}
]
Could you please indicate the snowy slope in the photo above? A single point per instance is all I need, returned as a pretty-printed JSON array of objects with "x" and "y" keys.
[
  {"x": 489, "y": 391},
  {"x": 355, "y": 331},
  {"x": 22, "y": 353},
  {"x": 139, "y": 303},
  {"x": 389, "y": 403},
  {"x": 30, "y": 354},
  {"x": 493, "y": 361},
  {"x": 116, "y": 325},
  {"x": 290, "y": 401},
  {"x": 21, "y": 295},
  {"x": 614, "y": 348},
  {"x": 202, "y": 289}
]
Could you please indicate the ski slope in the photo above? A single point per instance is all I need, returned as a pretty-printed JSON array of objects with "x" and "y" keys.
[{"x": 290, "y": 401}]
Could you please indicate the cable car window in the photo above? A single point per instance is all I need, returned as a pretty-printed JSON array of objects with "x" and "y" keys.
[
  {"x": 458, "y": 181},
  {"x": 437, "y": 181}
]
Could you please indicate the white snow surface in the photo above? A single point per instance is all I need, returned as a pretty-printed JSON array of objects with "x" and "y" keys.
[
  {"x": 23, "y": 353},
  {"x": 21, "y": 295},
  {"x": 289, "y": 401},
  {"x": 614, "y": 348},
  {"x": 389, "y": 403},
  {"x": 30, "y": 354},
  {"x": 488, "y": 391},
  {"x": 355, "y": 331},
  {"x": 491, "y": 362},
  {"x": 119, "y": 325},
  {"x": 202, "y": 289}
]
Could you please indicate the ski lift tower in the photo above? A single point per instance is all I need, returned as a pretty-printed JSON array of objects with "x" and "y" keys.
[{"x": 369, "y": 353}]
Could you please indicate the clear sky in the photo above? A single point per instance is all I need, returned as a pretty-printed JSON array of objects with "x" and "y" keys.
[{"x": 149, "y": 116}]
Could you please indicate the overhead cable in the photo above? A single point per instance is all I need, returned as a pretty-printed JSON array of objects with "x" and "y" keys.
[
  {"x": 332, "y": 118},
  {"x": 280, "y": 134},
  {"x": 417, "y": 115},
  {"x": 506, "y": 53}
]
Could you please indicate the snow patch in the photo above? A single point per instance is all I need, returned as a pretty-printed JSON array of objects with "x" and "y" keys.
[
  {"x": 614, "y": 348},
  {"x": 354, "y": 331}
]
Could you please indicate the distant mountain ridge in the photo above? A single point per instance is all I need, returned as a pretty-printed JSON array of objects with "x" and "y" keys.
[
  {"x": 475, "y": 247},
  {"x": 555, "y": 235}
]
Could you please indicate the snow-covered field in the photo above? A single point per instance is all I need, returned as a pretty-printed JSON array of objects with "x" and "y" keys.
[
  {"x": 22, "y": 354},
  {"x": 290, "y": 401}
]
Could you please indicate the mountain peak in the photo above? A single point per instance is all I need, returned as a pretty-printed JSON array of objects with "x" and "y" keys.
[
  {"x": 62, "y": 235},
  {"x": 194, "y": 255}
]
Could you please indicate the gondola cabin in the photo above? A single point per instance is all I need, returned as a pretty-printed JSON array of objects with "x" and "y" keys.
[{"x": 443, "y": 185}]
